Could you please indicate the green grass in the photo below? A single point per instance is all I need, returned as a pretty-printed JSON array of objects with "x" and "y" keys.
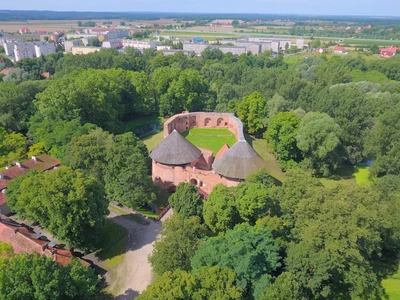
[
  {"x": 132, "y": 217},
  {"x": 153, "y": 140},
  {"x": 362, "y": 175},
  {"x": 203, "y": 35},
  {"x": 147, "y": 213},
  {"x": 392, "y": 286},
  {"x": 112, "y": 244},
  {"x": 210, "y": 138},
  {"x": 272, "y": 165}
]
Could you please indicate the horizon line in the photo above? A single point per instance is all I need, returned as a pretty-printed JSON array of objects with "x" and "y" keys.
[{"x": 199, "y": 13}]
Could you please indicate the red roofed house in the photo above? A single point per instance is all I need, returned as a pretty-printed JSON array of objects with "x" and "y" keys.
[
  {"x": 320, "y": 50},
  {"x": 6, "y": 70},
  {"x": 41, "y": 163},
  {"x": 24, "y": 30},
  {"x": 389, "y": 52},
  {"x": 23, "y": 239},
  {"x": 339, "y": 50}
]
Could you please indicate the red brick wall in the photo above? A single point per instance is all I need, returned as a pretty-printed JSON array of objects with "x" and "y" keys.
[{"x": 186, "y": 121}]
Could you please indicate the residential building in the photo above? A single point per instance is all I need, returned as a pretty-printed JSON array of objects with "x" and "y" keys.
[
  {"x": 84, "y": 50},
  {"x": 174, "y": 51},
  {"x": 73, "y": 43},
  {"x": 232, "y": 49},
  {"x": 161, "y": 48},
  {"x": 300, "y": 43},
  {"x": 389, "y": 51},
  {"x": 24, "y": 30},
  {"x": 195, "y": 47},
  {"x": 8, "y": 47},
  {"x": 40, "y": 164},
  {"x": 320, "y": 50},
  {"x": 339, "y": 50},
  {"x": 112, "y": 44},
  {"x": 45, "y": 49},
  {"x": 139, "y": 44},
  {"x": 24, "y": 50}
]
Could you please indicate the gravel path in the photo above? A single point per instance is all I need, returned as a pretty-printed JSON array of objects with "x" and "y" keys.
[{"x": 134, "y": 274}]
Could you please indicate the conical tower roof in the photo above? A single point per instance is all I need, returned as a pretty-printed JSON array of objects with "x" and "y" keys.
[
  {"x": 239, "y": 161},
  {"x": 175, "y": 150}
]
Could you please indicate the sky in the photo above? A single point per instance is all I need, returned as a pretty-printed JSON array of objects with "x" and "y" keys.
[{"x": 315, "y": 7}]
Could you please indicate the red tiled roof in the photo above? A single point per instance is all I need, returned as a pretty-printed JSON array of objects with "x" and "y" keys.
[
  {"x": 43, "y": 162},
  {"x": 3, "y": 198},
  {"x": 46, "y": 74},
  {"x": 339, "y": 48},
  {"x": 6, "y": 70},
  {"x": 22, "y": 240}
]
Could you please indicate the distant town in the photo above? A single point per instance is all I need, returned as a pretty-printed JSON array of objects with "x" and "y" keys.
[{"x": 91, "y": 37}]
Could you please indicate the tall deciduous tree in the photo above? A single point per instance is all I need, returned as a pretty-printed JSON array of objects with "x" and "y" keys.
[
  {"x": 319, "y": 141},
  {"x": 253, "y": 112},
  {"x": 281, "y": 137},
  {"x": 187, "y": 201},
  {"x": 220, "y": 212},
  {"x": 68, "y": 203},
  {"x": 179, "y": 241},
  {"x": 207, "y": 283},
  {"x": 39, "y": 277},
  {"x": 341, "y": 236},
  {"x": 250, "y": 251}
]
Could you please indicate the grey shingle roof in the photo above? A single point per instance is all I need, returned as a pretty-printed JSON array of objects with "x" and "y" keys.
[
  {"x": 239, "y": 161},
  {"x": 175, "y": 150}
]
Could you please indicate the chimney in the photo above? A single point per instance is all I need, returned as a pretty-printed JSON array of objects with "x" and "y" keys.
[
  {"x": 34, "y": 158},
  {"x": 18, "y": 164}
]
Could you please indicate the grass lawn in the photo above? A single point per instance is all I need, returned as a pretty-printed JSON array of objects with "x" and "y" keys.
[
  {"x": 362, "y": 175},
  {"x": 153, "y": 140},
  {"x": 272, "y": 165},
  {"x": 113, "y": 243},
  {"x": 392, "y": 286},
  {"x": 210, "y": 138},
  {"x": 133, "y": 217}
]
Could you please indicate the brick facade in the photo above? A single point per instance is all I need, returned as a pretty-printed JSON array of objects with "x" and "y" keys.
[{"x": 199, "y": 172}]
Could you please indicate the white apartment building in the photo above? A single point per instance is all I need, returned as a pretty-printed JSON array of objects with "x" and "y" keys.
[
  {"x": 112, "y": 44},
  {"x": 84, "y": 50},
  {"x": 141, "y": 45},
  {"x": 195, "y": 47},
  {"x": 45, "y": 49},
  {"x": 24, "y": 50}
]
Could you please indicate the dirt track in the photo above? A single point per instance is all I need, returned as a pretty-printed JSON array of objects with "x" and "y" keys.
[{"x": 134, "y": 273}]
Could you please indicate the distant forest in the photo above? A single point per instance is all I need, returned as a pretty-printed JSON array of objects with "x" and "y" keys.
[{"x": 23, "y": 15}]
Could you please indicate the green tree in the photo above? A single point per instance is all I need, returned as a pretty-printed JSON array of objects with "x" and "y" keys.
[
  {"x": 94, "y": 42},
  {"x": 341, "y": 236},
  {"x": 39, "y": 277},
  {"x": 252, "y": 111},
  {"x": 281, "y": 137},
  {"x": 68, "y": 203},
  {"x": 89, "y": 96},
  {"x": 208, "y": 283},
  {"x": 253, "y": 201},
  {"x": 187, "y": 92},
  {"x": 179, "y": 241},
  {"x": 235, "y": 23},
  {"x": 375, "y": 49},
  {"x": 382, "y": 143},
  {"x": 277, "y": 104},
  {"x": 250, "y": 251},
  {"x": 13, "y": 147},
  {"x": 319, "y": 141},
  {"x": 285, "y": 287},
  {"x": 187, "y": 201},
  {"x": 220, "y": 212},
  {"x": 127, "y": 176},
  {"x": 263, "y": 177}
]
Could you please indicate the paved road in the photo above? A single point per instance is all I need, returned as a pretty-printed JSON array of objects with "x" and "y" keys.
[{"x": 134, "y": 274}]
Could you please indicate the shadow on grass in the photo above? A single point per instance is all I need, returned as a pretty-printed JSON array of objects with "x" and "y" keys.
[{"x": 113, "y": 242}]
